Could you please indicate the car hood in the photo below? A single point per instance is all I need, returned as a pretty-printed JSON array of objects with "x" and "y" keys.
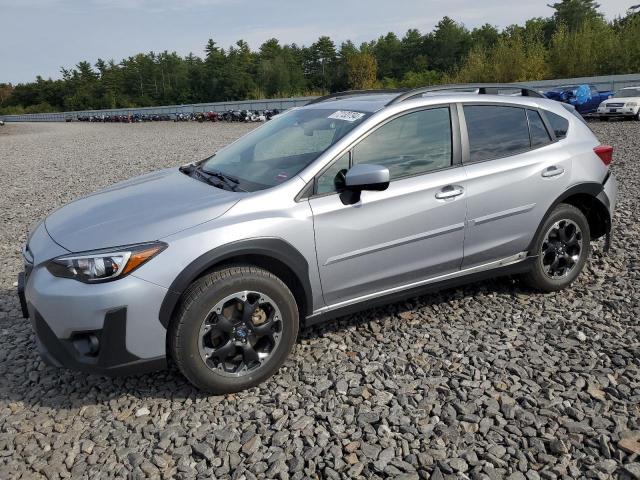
[
  {"x": 622, "y": 100},
  {"x": 141, "y": 209}
]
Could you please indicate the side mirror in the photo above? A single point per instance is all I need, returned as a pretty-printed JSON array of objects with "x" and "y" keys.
[{"x": 364, "y": 177}]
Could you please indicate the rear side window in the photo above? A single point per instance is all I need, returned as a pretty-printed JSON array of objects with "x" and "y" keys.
[
  {"x": 496, "y": 131},
  {"x": 559, "y": 124},
  {"x": 539, "y": 134}
]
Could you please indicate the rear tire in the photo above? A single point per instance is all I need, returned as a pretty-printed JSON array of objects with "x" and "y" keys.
[
  {"x": 562, "y": 247},
  {"x": 234, "y": 329}
]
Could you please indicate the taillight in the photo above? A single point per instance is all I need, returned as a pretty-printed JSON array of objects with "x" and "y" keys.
[{"x": 605, "y": 152}]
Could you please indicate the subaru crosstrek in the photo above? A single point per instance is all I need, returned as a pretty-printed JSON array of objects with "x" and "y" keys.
[{"x": 351, "y": 201}]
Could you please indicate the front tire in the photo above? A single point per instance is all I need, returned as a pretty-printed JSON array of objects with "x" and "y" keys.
[
  {"x": 234, "y": 329},
  {"x": 562, "y": 247}
]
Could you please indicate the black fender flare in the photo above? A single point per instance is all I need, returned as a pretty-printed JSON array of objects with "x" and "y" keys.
[
  {"x": 271, "y": 247},
  {"x": 593, "y": 189}
]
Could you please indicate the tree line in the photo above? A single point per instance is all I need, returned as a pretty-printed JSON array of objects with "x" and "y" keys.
[{"x": 575, "y": 40}]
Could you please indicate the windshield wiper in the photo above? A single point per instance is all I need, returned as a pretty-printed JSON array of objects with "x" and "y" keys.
[
  {"x": 222, "y": 179},
  {"x": 228, "y": 180},
  {"x": 222, "y": 176}
]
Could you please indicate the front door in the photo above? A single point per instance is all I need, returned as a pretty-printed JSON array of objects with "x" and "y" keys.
[{"x": 412, "y": 231}]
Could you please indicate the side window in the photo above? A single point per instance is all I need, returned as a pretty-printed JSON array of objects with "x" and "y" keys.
[
  {"x": 332, "y": 180},
  {"x": 412, "y": 144},
  {"x": 559, "y": 124},
  {"x": 539, "y": 134},
  {"x": 496, "y": 131}
]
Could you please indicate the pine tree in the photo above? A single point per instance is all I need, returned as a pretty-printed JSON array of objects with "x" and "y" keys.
[{"x": 574, "y": 13}]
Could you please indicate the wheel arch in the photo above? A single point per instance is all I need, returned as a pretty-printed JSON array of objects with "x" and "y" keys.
[
  {"x": 585, "y": 197},
  {"x": 272, "y": 254}
]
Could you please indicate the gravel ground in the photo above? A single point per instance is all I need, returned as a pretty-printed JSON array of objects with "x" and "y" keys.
[{"x": 487, "y": 381}]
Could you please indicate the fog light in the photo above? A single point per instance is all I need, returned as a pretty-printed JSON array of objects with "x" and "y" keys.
[{"x": 87, "y": 344}]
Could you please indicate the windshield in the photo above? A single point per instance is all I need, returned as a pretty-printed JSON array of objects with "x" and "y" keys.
[
  {"x": 282, "y": 147},
  {"x": 628, "y": 92}
]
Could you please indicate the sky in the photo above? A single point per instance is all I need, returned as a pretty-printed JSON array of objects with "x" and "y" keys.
[{"x": 37, "y": 37}]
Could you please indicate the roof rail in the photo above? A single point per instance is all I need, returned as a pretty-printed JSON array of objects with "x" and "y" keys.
[
  {"x": 483, "y": 89},
  {"x": 353, "y": 93}
]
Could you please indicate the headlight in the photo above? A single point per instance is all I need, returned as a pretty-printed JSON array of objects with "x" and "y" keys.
[
  {"x": 631, "y": 104},
  {"x": 104, "y": 265}
]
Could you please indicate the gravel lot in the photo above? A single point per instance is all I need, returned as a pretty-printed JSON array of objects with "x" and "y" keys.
[{"x": 486, "y": 381}]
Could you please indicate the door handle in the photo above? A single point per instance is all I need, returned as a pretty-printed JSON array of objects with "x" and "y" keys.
[
  {"x": 450, "y": 191},
  {"x": 552, "y": 171}
]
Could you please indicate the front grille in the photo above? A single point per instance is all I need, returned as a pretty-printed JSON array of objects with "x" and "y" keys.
[{"x": 615, "y": 105}]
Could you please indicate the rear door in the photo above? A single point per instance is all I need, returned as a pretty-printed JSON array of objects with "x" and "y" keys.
[
  {"x": 515, "y": 170},
  {"x": 411, "y": 231}
]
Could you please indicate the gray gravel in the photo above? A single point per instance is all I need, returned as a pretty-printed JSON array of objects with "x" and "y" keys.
[{"x": 486, "y": 381}]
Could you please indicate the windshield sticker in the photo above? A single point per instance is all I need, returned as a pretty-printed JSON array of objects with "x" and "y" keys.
[
  {"x": 346, "y": 115},
  {"x": 282, "y": 176}
]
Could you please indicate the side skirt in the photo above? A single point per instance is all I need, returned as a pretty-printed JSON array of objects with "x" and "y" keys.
[{"x": 515, "y": 264}]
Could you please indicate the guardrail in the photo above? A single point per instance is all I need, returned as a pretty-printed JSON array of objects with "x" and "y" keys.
[
  {"x": 280, "y": 104},
  {"x": 603, "y": 82}
]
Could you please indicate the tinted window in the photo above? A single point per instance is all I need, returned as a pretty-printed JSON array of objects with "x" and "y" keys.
[
  {"x": 332, "y": 180},
  {"x": 495, "y": 132},
  {"x": 539, "y": 134},
  {"x": 415, "y": 143},
  {"x": 559, "y": 124}
]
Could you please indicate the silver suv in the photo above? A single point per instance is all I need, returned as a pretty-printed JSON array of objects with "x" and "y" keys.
[{"x": 354, "y": 200}]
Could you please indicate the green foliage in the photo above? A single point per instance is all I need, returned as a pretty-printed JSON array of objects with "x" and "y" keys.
[
  {"x": 420, "y": 79},
  {"x": 575, "y": 41},
  {"x": 574, "y": 13},
  {"x": 6, "y": 90},
  {"x": 361, "y": 71},
  {"x": 592, "y": 49},
  {"x": 447, "y": 44}
]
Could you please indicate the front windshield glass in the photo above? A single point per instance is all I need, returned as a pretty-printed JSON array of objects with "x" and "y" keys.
[
  {"x": 282, "y": 147},
  {"x": 628, "y": 92}
]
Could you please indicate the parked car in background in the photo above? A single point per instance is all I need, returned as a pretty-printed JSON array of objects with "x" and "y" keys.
[
  {"x": 624, "y": 104},
  {"x": 586, "y": 98}
]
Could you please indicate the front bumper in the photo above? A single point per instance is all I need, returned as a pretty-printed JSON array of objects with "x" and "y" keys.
[
  {"x": 107, "y": 356},
  {"x": 108, "y": 328},
  {"x": 21, "y": 296},
  {"x": 617, "y": 112}
]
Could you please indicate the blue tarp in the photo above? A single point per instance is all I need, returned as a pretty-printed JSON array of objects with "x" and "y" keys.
[{"x": 583, "y": 94}]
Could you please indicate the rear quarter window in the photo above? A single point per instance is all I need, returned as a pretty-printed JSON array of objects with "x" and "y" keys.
[
  {"x": 539, "y": 134},
  {"x": 560, "y": 125}
]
